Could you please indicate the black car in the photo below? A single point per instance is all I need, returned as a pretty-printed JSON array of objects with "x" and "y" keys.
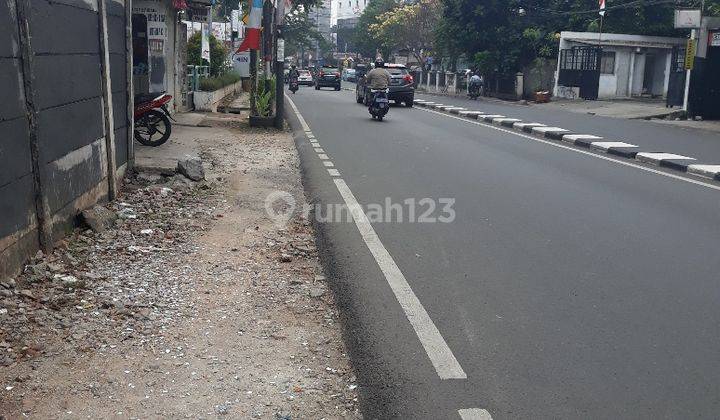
[
  {"x": 402, "y": 87},
  {"x": 328, "y": 77}
]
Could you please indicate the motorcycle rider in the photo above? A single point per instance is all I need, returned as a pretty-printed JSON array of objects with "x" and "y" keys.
[
  {"x": 476, "y": 83},
  {"x": 293, "y": 73},
  {"x": 378, "y": 78}
]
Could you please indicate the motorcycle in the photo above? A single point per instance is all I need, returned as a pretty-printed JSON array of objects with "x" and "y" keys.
[
  {"x": 474, "y": 91},
  {"x": 152, "y": 119},
  {"x": 379, "y": 104},
  {"x": 294, "y": 85}
]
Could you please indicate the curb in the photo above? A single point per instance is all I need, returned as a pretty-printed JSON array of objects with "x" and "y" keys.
[{"x": 680, "y": 163}]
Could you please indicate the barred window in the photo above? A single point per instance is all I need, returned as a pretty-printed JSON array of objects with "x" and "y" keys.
[{"x": 607, "y": 64}]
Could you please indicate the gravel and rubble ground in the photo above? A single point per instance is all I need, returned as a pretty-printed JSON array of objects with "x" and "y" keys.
[{"x": 194, "y": 305}]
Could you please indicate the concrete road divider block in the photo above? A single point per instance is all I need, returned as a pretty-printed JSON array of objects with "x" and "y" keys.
[
  {"x": 707, "y": 171},
  {"x": 471, "y": 114},
  {"x": 489, "y": 118},
  {"x": 580, "y": 139},
  {"x": 506, "y": 122},
  {"x": 555, "y": 133},
  {"x": 604, "y": 146},
  {"x": 658, "y": 158},
  {"x": 527, "y": 127},
  {"x": 456, "y": 110},
  {"x": 626, "y": 152}
]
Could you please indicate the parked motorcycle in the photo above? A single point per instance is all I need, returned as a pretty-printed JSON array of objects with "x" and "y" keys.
[
  {"x": 152, "y": 119},
  {"x": 379, "y": 104},
  {"x": 294, "y": 85}
]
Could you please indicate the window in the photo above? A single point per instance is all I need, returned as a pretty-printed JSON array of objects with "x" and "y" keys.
[{"x": 607, "y": 63}]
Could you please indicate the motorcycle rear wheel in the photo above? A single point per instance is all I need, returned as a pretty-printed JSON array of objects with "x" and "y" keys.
[{"x": 150, "y": 124}]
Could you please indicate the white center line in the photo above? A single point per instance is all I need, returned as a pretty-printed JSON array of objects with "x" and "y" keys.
[
  {"x": 582, "y": 152},
  {"x": 474, "y": 414}
]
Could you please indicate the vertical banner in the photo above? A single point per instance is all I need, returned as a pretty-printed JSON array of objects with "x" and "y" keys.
[{"x": 205, "y": 43}]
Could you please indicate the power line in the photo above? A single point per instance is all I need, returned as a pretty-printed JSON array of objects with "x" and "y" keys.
[{"x": 631, "y": 4}]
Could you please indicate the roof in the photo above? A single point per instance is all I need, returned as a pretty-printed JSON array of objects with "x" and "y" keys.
[{"x": 621, "y": 40}]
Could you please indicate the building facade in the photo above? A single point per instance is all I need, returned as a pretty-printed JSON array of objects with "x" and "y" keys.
[
  {"x": 346, "y": 9},
  {"x": 629, "y": 66}
]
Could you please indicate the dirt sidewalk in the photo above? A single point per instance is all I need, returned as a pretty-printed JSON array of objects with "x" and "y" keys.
[{"x": 195, "y": 305}]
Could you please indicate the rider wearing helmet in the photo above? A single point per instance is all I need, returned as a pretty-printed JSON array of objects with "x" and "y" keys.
[
  {"x": 378, "y": 78},
  {"x": 293, "y": 73}
]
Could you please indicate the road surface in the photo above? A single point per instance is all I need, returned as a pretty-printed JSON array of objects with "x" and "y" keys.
[{"x": 567, "y": 285}]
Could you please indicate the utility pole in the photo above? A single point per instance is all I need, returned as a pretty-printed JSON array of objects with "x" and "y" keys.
[{"x": 279, "y": 64}]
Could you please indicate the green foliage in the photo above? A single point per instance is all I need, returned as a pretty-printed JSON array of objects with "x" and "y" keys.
[
  {"x": 264, "y": 97},
  {"x": 210, "y": 84},
  {"x": 502, "y": 36},
  {"x": 218, "y": 54},
  {"x": 363, "y": 40},
  {"x": 300, "y": 33}
]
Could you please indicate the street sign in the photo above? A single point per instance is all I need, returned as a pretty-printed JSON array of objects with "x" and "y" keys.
[
  {"x": 689, "y": 19},
  {"x": 715, "y": 39},
  {"x": 690, "y": 54}
]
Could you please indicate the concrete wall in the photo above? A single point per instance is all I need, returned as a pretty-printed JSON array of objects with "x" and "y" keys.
[{"x": 53, "y": 147}]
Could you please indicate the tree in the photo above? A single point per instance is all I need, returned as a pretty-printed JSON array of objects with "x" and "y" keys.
[
  {"x": 366, "y": 44},
  {"x": 300, "y": 33},
  {"x": 218, "y": 53},
  {"x": 409, "y": 26}
]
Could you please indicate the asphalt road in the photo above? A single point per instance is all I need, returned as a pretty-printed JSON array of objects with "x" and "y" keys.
[{"x": 567, "y": 286}]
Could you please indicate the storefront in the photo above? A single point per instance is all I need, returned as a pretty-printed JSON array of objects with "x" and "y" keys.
[{"x": 159, "y": 47}]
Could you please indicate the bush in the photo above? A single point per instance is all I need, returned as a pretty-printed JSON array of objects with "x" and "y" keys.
[
  {"x": 210, "y": 84},
  {"x": 218, "y": 53}
]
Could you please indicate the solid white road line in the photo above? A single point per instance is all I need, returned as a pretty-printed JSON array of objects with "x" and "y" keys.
[
  {"x": 708, "y": 171},
  {"x": 605, "y": 145},
  {"x": 440, "y": 355},
  {"x": 656, "y": 158},
  {"x": 474, "y": 414},
  {"x": 582, "y": 152}
]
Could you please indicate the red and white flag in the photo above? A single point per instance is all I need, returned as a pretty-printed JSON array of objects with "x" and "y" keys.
[{"x": 602, "y": 7}]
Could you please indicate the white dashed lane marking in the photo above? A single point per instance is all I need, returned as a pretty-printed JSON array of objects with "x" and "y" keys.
[
  {"x": 328, "y": 164},
  {"x": 474, "y": 414}
]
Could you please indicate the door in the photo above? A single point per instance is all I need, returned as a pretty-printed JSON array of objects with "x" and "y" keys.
[
  {"x": 580, "y": 67},
  {"x": 711, "y": 103},
  {"x": 676, "y": 81},
  {"x": 649, "y": 74}
]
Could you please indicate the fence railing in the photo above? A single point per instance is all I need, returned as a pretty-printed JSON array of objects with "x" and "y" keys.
[
  {"x": 456, "y": 83},
  {"x": 194, "y": 74}
]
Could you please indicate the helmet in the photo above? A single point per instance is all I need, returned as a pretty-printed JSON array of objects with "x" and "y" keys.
[
  {"x": 379, "y": 63},
  {"x": 292, "y": 66}
]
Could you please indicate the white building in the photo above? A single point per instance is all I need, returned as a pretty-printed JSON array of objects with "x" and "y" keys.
[
  {"x": 346, "y": 9},
  {"x": 631, "y": 65}
]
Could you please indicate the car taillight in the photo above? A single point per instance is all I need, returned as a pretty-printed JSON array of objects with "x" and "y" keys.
[
  {"x": 337, "y": 74},
  {"x": 408, "y": 78},
  {"x": 322, "y": 73}
]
